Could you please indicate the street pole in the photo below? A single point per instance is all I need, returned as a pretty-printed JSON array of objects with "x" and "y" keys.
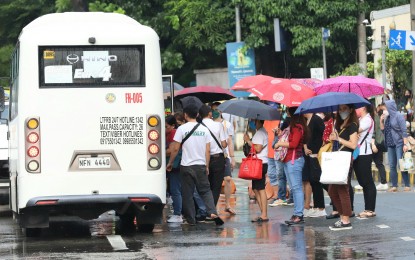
[
  {"x": 324, "y": 53},
  {"x": 237, "y": 23},
  {"x": 361, "y": 33},
  {"x": 383, "y": 46}
]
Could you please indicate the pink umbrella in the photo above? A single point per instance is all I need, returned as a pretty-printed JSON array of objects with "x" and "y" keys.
[
  {"x": 362, "y": 86},
  {"x": 205, "y": 93}
]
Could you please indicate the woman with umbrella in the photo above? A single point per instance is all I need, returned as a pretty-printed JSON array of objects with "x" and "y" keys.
[
  {"x": 294, "y": 162},
  {"x": 345, "y": 135}
]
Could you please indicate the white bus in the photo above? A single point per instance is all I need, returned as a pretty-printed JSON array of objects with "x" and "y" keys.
[{"x": 87, "y": 120}]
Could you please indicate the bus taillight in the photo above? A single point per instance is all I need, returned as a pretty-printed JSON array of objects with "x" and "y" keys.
[
  {"x": 153, "y": 142},
  {"x": 32, "y": 144}
]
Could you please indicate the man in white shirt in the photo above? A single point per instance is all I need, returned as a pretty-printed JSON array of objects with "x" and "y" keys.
[
  {"x": 217, "y": 157},
  {"x": 229, "y": 155},
  {"x": 195, "y": 142}
]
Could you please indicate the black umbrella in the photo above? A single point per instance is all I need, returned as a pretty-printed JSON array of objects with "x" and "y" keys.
[
  {"x": 191, "y": 100},
  {"x": 250, "y": 109}
]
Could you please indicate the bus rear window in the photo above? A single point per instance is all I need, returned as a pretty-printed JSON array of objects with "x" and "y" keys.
[{"x": 91, "y": 66}]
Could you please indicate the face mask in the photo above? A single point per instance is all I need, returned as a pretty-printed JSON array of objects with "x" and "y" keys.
[
  {"x": 252, "y": 125},
  {"x": 215, "y": 114},
  {"x": 344, "y": 115},
  {"x": 385, "y": 112}
]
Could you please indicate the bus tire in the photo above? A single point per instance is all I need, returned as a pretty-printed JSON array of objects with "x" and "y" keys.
[
  {"x": 145, "y": 228},
  {"x": 32, "y": 232},
  {"x": 127, "y": 222}
]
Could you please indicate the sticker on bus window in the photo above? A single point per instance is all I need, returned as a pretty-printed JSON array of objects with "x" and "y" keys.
[
  {"x": 58, "y": 74},
  {"x": 48, "y": 55}
]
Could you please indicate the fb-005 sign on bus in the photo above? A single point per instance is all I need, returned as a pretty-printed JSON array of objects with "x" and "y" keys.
[{"x": 87, "y": 120}]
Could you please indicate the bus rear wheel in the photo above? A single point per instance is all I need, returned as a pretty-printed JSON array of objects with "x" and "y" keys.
[
  {"x": 32, "y": 232},
  {"x": 145, "y": 228}
]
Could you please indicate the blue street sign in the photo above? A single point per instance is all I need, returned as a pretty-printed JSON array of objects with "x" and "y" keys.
[
  {"x": 397, "y": 40},
  {"x": 326, "y": 33}
]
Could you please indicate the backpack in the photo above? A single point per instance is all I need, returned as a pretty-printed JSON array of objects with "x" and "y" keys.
[{"x": 281, "y": 152}]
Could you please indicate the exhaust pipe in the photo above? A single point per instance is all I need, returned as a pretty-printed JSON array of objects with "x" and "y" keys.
[{"x": 143, "y": 207}]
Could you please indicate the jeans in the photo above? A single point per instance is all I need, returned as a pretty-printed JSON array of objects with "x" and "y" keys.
[
  {"x": 394, "y": 154},
  {"x": 294, "y": 173},
  {"x": 272, "y": 172},
  {"x": 201, "y": 208},
  {"x": 282, "y": 181},
  {"x": 176, "y": 191}
]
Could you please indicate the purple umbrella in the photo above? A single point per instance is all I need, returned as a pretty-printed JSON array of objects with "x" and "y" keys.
[{"x": 362, "y": 86}]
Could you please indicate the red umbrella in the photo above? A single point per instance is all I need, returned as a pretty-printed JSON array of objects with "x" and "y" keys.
[
  {"x": 250, "y": 82},
  {"x": 206, "y": 93},
  {"x": 284, "y": 91}
]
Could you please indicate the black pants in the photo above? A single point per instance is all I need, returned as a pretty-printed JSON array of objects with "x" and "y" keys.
[
  {"x": 378, "y": 160},
  {"x": 191, "y": 177},
  {"x": 216, "y": 175},
  {"x": 363, "y": 169},
  {"x": 313, "y": 171}
]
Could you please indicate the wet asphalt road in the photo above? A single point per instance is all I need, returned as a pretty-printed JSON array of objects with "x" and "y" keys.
[{"x": 390, "y": 235}]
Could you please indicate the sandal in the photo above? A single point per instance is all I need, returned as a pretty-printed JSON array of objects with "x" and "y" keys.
[
  {"x": 230, "y": 210},
  {"x": 367, "y": 214},
  {"x": 259, "y": 220}
]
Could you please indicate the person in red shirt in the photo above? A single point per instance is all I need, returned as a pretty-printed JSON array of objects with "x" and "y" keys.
[{"x": 294, "y": 163}]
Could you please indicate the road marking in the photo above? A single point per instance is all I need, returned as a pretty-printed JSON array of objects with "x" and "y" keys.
[
  {"x": 383, "y": 226},
  {"x": 117, "y": 242},
  {"x": 407, "y": 238}
]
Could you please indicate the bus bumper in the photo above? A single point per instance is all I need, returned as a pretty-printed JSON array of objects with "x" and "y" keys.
[{"x": 148, "y": 208}]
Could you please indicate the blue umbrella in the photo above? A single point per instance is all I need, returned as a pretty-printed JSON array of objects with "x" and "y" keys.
[
  {"x": 329, "y": 102},
  {"x": 250, "y": 109}
]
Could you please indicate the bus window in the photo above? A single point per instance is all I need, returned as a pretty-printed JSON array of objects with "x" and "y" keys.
[{"x": 91, "y": 66}]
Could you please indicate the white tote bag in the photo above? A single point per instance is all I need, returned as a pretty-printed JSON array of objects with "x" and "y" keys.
[{"x": 335, "y": 167}]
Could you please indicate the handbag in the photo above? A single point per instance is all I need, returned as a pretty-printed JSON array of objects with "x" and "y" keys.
[
  {"x": 407, "y": 163},
  {"x": 251, "y": 167},
  {"x": 335, "y": 167}
]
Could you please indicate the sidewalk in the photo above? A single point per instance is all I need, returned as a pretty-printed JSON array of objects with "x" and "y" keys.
[{"x": 240, "y": 154}]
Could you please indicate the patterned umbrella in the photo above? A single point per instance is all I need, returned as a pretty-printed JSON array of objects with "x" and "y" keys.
[
  {"x": 288, "y": 92},
  {"x": 362, "y": 86}
]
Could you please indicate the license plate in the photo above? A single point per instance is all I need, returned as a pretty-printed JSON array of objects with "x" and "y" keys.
[{"x": 94, "y": 162}]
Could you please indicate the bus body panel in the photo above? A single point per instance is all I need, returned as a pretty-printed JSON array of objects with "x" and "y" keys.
[{"x": 76, "y": 119}]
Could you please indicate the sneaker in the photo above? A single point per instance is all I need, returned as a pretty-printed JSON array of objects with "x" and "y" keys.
[
  {"x": 381, "y": 186},
  {"x": 358, "y": 187},
  {"x": 308, "y": 212},
  {"x": 277, "y": 202},
  {"x": 201, "y": 219},
  {"x": 186, "y": 222},
  {"x": 288, "y": 203},
  {"x": 295, "y": 220},
  {"x": 340, "y": 226},
  {"x": 175, "y": 219},
  {"x": 318, "y": 213},
  {"x": 407, "y": 189}
]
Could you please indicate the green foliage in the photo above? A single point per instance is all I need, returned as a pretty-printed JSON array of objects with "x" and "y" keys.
[
  {"x": 98, "y": 6},
  {"x": 63, "y": 6}
]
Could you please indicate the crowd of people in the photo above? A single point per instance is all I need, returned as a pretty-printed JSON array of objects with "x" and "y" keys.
[{"x": 200, "y": 159}]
